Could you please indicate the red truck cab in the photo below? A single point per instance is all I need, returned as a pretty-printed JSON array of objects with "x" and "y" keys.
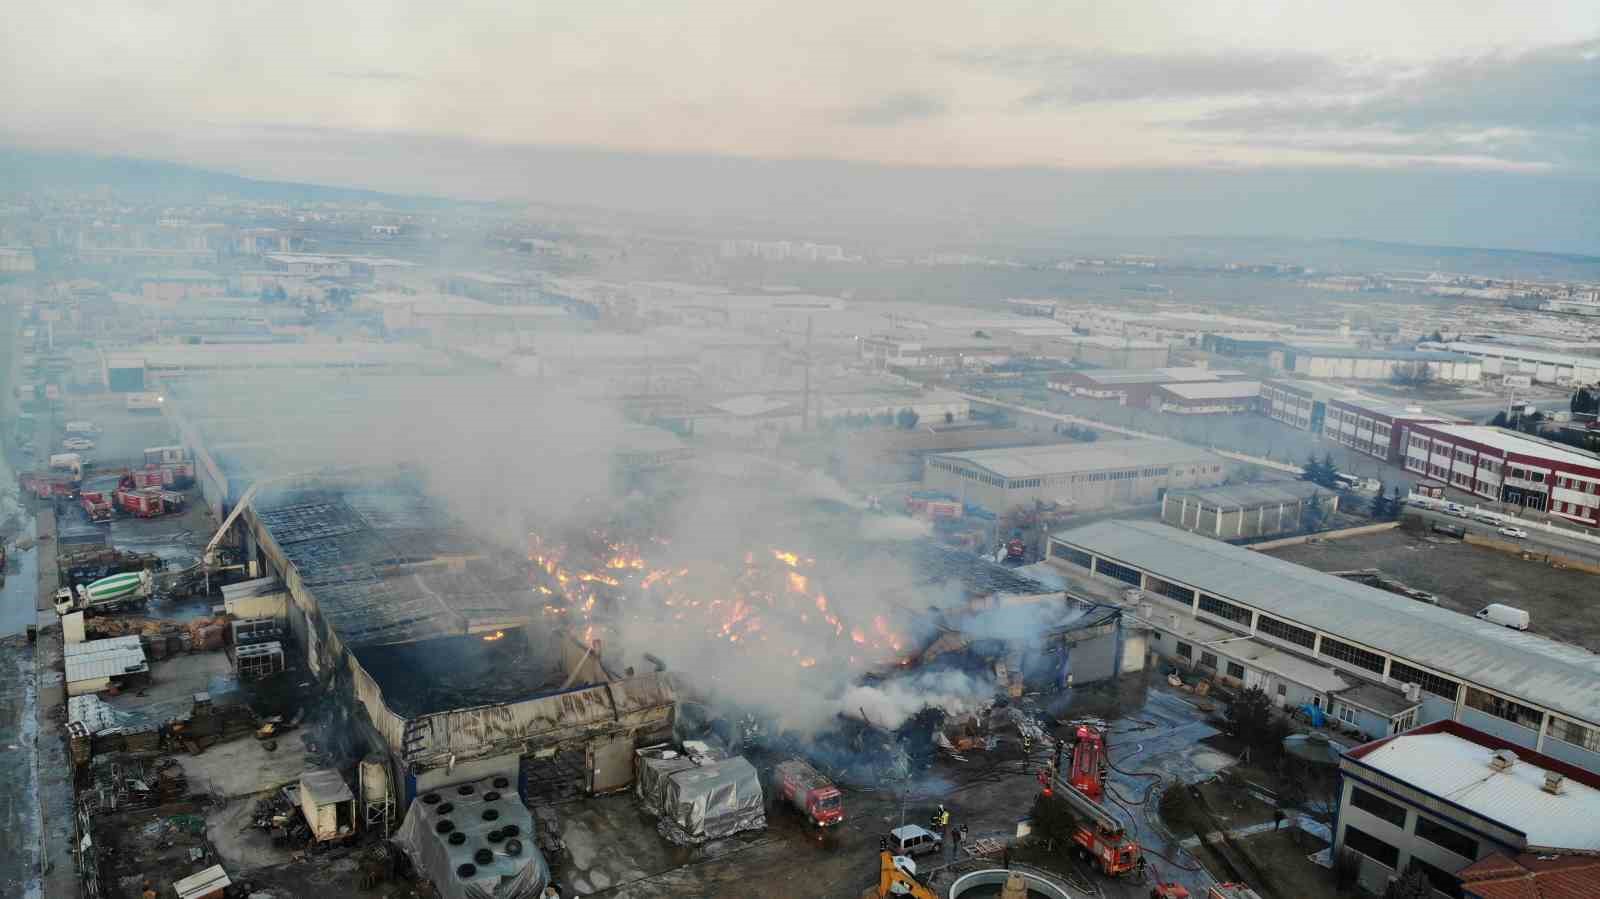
[{"x": 809, "y": 792}]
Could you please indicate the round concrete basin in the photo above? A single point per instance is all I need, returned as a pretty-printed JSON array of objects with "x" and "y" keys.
[{"x": 989, "y": 877}]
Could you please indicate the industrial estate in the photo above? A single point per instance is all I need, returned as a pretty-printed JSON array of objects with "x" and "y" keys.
[{"x": 398, "y": 549}]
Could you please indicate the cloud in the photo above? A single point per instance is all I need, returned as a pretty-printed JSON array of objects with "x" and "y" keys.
[
  {"x": 374, "y": 75},
  {"x": 896, "y": 109},
  {"x": 1536, "y": 105},
  {"x": 1064, "y": 77}
]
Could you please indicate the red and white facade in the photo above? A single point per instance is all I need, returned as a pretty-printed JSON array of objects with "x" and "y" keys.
[
  {"x": 1371, "y": 428},
  {"x": 1504, "y": 466}
]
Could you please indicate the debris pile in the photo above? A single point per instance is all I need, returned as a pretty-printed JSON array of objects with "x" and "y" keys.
[{"x": 128, "y": 782}]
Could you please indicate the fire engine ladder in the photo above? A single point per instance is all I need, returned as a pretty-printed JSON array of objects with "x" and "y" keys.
[{"x": 1088, "y": 808}]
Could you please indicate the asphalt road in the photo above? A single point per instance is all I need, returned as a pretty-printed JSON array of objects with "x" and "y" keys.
[{"x": 1536, "y": 541}]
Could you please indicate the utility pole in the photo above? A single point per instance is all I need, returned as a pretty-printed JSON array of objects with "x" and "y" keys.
[{"x": 805, "y": 400}]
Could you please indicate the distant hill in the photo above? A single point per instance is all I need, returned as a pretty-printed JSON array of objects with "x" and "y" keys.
[{"x": 169, "y": 182}]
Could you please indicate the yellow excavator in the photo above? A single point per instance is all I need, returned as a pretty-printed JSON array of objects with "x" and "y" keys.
[{"x": 897, "y": 877}]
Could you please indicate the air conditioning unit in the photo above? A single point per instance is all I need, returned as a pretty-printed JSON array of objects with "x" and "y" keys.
[
  {"x": 1502, "y": 760},
  {"x": 1413, "y": 692},
  {"x": 1553, "y": 783}
]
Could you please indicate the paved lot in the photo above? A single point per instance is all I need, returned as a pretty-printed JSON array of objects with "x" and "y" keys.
[{"x": 1564, "y": 604}]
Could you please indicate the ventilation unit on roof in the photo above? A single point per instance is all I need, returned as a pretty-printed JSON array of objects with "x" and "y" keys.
[
  {"x": 1502, "y": 760},
  {"x": 1553, "y": 783},
  {"x": 1413, "y": 692}
]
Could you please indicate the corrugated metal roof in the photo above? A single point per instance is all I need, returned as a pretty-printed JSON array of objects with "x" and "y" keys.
[
  {"x": 325, "y": 787},
  {"x": 90, "y": 647},
  {"x": 1519, "y": 664},
  {"x": 1037, "y": 461},
  {"x": 1249, "y": 495},
  {"x": 105, "y": 661},
  {"x": 1214, "y": 390},
  {"x": 202, "y": 883},
  {"x": 1456, "y": 769}
]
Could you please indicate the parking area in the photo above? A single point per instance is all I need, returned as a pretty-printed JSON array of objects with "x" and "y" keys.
[{"x": 1563, "y": 604}]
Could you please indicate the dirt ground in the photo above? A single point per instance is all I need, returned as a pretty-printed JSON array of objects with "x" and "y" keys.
[
  {"x": 1285, "y": 855},
  {"x": 1563, "y": 604}
]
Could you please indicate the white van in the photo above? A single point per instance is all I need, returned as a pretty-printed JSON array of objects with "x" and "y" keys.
[{"x": 1506, "y": 616}]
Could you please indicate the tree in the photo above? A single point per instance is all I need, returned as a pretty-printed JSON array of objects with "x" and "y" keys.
[
  {"x": 949, "y": 417},
  {"x": 907, "y": 418},
  {"x": 1411, "y": 374},
  {"x": 1499, "y": 420},
  {"x": 1397, "y": 504},
  {"x": 1586, "y": 400},
  {"x": 1250, "y": 718},
  {"x": 1312, "y": 470},
  {"x": 1380, "y": 510},
  {"x": 1053, "y": 820},
  {"x": 1413, "y": 884},
  {"x": 1312, "y": 514},
  {"x": 1436, "y": 337}
]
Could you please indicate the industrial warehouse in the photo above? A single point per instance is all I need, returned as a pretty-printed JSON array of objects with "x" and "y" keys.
[
  {"x": 1525, "y": 689},
  {"x": 1087, "y": 477}
]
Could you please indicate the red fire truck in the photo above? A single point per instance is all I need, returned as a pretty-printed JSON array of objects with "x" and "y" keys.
[{"x": 808, "y": 792}]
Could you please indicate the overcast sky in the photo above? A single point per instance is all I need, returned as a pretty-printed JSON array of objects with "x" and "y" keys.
[{"x": 278, "y": 88}]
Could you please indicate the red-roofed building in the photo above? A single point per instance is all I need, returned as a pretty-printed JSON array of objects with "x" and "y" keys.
[{"x": 1532, "y": 877}]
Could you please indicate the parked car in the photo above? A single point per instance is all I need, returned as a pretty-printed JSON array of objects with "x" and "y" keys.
[
  {"x": 912, "y": 840},
  {"x": 77, "y": 443},
  {"x": 1517, "y": 533},
  {"x": 1457, "y": 510}
]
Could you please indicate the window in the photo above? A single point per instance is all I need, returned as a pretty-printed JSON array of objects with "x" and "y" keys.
[
  {"x": 1347, "y": 713},
  {"x": 1344, "y": 652},
  {"x": 1120, "y": 572},
  {"x": 1285, "y": 631},
  {"x": 1372, "y": 847},
  {"x": 1186, "y": 650},
  {"x": 1446, "y": 838},
  {"x": 1076, "y": 556},
  {"x": 1515, "y": 712},
  {"x": 1223, "y": 609},
  {"x": 1282, "y": 690},
  {"x": 1236, "y": 670},
  {"x": 1575, "y": 733},
  {"x": 1209, "y": 660},
  {"x": 1377, "y": 806},
  {"x": 1442, "y": 880},
  {"x": 1181, "y": 594}
]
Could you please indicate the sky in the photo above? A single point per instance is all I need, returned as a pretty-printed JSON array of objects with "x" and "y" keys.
[{"x": 398, "y": 94}]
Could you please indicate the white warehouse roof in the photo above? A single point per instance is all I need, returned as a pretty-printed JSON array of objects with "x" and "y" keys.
[
  {"x": 1040, "y": 461},
  {"x": 1457, "y": 770},
  {"x": 1516, "y": 663}
]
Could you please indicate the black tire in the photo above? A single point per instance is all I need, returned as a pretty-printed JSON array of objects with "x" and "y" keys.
[
  {"x": 465, "y": 790},
  {"x": 444, "y": 826},
  {"x": 500, "y": 783},
  {"x": 467, "y": 870},
  {"x": 490, "y": 814},
  {"x": 446, "y": 808},
  {"x": 513, "y": 848},
  {"x": 456, "y": 839},
  {"x": 483, "y": 856}
]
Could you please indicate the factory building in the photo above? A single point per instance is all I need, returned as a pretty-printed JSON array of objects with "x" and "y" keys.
[
  {"x": 1133, "y": 386},
  {"x": 1373, "y": 428},
  {"x": 415, "y": 628},
  {"x": 1102, "y": 351},
  {"x": 1542, "y": 366},
  {"x": 1522, "y": 688},
  {"x": 1327, "y": 363},
  {"x": 1207, "y": 398},
  {"x": 1244, "y": 511},
  {"x": 1447, "y": 798},
  {"x": 1508, "y": 467},
  {"x": 1299, "y": 404},
  {"x": 1085, "y": 476},
  {"x": 133, "y": 368}
]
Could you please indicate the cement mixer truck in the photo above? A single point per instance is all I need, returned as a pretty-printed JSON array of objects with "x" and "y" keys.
[{"x": 109, "y": 594}]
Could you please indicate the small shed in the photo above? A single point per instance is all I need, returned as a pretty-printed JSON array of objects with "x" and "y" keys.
[
  {"x": 207, "y": 884},
  {"x": 91, "y": 665},
  {"x": 328, "y": 805}
]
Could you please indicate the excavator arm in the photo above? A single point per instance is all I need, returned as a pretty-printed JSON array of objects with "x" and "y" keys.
[{"x": 890, "y": 877}]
